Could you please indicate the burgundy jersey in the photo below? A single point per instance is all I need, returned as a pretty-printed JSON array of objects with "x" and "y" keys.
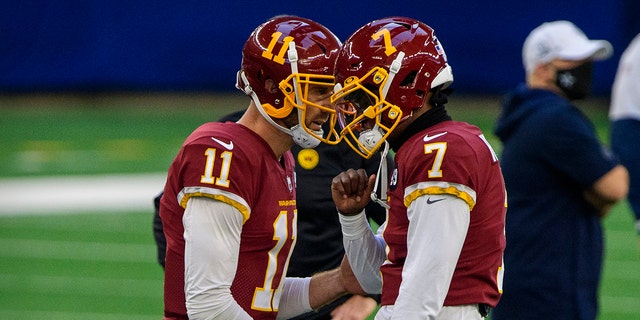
[
  {"x": 230, "y": 163},
  {"x": 450, "y": 158}
]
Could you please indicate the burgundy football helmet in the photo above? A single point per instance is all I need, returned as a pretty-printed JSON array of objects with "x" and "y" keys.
[
  {"x": 294, "y": 53},
  {"x": 383, "y": 72}
]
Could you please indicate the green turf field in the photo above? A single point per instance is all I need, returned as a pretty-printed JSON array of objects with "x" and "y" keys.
[{"x": 102, "y": 265}]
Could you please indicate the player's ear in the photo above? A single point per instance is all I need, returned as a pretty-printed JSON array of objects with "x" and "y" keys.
[
  {"x": 270, "y": 86},
  {"x": 544, "y": 71}
]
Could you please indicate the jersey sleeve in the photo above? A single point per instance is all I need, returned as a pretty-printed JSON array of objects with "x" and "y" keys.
[{"x": 210, "y": 170}]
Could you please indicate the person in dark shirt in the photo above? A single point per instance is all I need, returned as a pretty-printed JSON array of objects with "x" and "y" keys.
[{"x": 561, "y": 180}]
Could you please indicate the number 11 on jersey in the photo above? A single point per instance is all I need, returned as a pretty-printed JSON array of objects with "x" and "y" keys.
[{"x": 222, "y": 179}]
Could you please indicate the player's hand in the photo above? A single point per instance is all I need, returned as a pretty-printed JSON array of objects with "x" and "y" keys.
[
  {"x": 355, "y": 308},
  {"x": 351, "y": 190}
]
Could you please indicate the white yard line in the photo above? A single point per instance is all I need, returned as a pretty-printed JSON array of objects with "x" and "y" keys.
[{"x": 73, "y": 194}]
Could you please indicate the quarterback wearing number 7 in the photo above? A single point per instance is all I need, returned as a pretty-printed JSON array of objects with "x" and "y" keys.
[{"x": 439, "y": 254}]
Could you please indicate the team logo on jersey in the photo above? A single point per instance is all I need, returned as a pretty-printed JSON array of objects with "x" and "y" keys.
[
  {"x": 226, "y": 145},
  {"x": 295, "y": 180},
  {"x": 429, "y": 138},
  {"x": 289, "y": 184},
  {"x": 308, "y": 158},
  {"x": 393, "y": 182}
]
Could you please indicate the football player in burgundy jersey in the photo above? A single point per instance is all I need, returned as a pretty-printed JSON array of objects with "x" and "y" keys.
[
  {"x": 439, "y": 254},
  {"x": 319, "y": 237},
  {"x": 229, "y": 204}
]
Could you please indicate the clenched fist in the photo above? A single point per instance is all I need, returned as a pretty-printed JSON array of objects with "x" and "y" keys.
[{"x": 351, "y": 190}]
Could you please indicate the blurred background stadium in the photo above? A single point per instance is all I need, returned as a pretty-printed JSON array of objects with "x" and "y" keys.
[{"x": 97, "y": 96}]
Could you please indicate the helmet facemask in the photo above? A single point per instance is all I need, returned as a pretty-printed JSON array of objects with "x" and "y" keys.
[
  {"x": 365, "y": 117},
  {"x": 297, "y": 90}
]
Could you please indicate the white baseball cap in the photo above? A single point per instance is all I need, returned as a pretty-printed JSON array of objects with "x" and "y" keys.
[{"x": 561, "y": 40}]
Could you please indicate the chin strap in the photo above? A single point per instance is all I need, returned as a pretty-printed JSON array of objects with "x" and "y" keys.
[
  {"x": 249, "y": 91},
  {"x": 393, "y": 70},
  {"x": 382, "y": 176},
  {"x": 300, "y": 136},
  {"x": 292, "y": 53}
]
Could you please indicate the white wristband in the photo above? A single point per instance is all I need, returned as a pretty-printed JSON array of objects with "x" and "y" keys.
[
  {"x": 353, "y": 227},
  {"x": 295, "y": 297}
]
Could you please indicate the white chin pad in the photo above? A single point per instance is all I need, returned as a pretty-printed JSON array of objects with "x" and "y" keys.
[
  {"x": 303, "y": 138},
  {"x": 369, "y": 139}
]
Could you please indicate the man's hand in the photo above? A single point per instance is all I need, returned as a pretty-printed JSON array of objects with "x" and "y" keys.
[
  {"x": 355, "y": 308},
  {"x": 351, "y": 191}
]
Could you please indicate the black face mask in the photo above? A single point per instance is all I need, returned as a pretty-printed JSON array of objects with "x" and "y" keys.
[{"x": 575, "y": 83}]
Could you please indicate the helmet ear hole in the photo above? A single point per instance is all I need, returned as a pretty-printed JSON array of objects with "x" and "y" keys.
[{"x": 409, "y": 80}]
